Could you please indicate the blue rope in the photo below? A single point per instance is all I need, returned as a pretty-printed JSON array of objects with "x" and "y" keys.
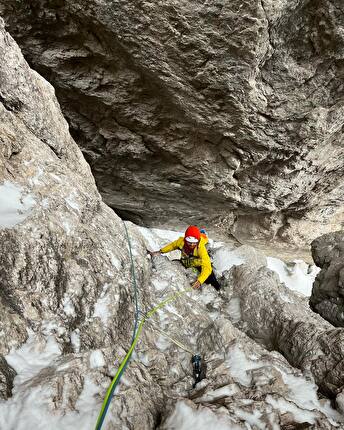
[
  {"x": 134, "y": 283},
  {"x": 132, "y": 268}
]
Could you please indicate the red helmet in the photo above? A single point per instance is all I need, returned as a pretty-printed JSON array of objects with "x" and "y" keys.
[{"x": 192, "y": 234}]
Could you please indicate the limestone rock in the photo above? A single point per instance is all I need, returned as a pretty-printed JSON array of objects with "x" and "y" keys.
[
  {"x": 275, "y": 316},
  {"x": 67, "y": 303},
  {"x": 340, "y": 402},
  {"x": 228, "y": 114},
  {"x": 244, "y": 382},
  {"x": 63, "y": 256},
  {"x": 328, "y": 290}
]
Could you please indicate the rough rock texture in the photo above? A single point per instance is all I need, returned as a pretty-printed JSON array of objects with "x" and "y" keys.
[
  {"x": 66, "y": 300},
  {"x": 328, "y": 289},
  {"x": 282, "y": 321},
  {"x": 234, "y": 106},
  {"x": 7, "y": 375},
  {"x": 244, "y": 381},
  {"x": 62, "y": 252}
]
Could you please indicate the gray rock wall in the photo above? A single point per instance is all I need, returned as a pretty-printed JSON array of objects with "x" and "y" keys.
[
  {"x": 281, "y": 320},
  {"x": 58, "y": 241},
  {"x": 223, "y": 113},
  {"x": 66, "y": 292}
]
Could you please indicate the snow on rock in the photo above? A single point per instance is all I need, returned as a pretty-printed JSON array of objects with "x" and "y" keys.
[
  {"x": 33, "y": 410},
  {"x": 34, "y": 355},
  {"x": 227, "y": 256},
  {"x": 250, "y": 386},
  {"x": 97, "y": 359},
  {"x": 289, "y": 326},
  {"x": 185, "y": 417},
  {"x": 60, "y": 247},
  {"x": 296, "y": 275},
  {"x": 15, "y": 206}
]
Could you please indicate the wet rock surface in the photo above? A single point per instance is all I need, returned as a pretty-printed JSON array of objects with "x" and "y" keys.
[
  {"x": 236, "y": 106},
  {"x": 328, "y": 290}
]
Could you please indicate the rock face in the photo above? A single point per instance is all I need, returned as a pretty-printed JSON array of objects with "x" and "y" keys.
[
  {"x": 7, "y": 375},
  {"x": 223, "y": 113},
  {"x": 62, "y": 253},
  {"x": 67, "y": 305},
  {"x": 245, "y": 383},
  {"x": 282, "y": 321},
  {"x": 328, "y": 290}
]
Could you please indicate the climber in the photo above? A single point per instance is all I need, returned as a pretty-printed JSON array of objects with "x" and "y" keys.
[{"x": 194, "y": 254}]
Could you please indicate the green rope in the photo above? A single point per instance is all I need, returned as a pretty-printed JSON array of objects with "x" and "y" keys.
[
  {"x": 111, "y": 389},
  {"x": 124, "y": 363}
]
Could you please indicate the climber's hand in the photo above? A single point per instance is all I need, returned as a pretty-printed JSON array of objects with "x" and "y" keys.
[{"x": 196, "y": 285}]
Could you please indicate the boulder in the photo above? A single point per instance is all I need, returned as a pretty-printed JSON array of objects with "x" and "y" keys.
[{"x": 328, "y": 289}]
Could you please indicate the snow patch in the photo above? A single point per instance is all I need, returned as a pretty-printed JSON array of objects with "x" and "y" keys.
[
  {"x": 251, "y": 418},
  {"x": 75, "y": 340},
  {"x": 239, "y": 365},
  {"x": 156, "y": 238},
  {"x": 282, "y": 405},
  {"x": 159, "y": 284},
  {"x": 101, "y": 308},
  {"x": 32, "y": 410},
  {"x": 36, "y": 354},
  {"x": 301, "y": 401},
  {"x": 68, "y": 306},
  {"x": 185, "y": 418},
  {"x": 225, "y": 258},
  {"x": 15, "y": 207},
  {"x": 297, "y": 275},
  {"x": 226, "y": 391},
  {"x": 97, "y": 359},
  {"x": 303, "y": 393},
  {"x": 234, "y": 309}
]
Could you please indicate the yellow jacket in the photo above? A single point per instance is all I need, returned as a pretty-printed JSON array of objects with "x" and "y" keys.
[{"x": 200, "y": 257}]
